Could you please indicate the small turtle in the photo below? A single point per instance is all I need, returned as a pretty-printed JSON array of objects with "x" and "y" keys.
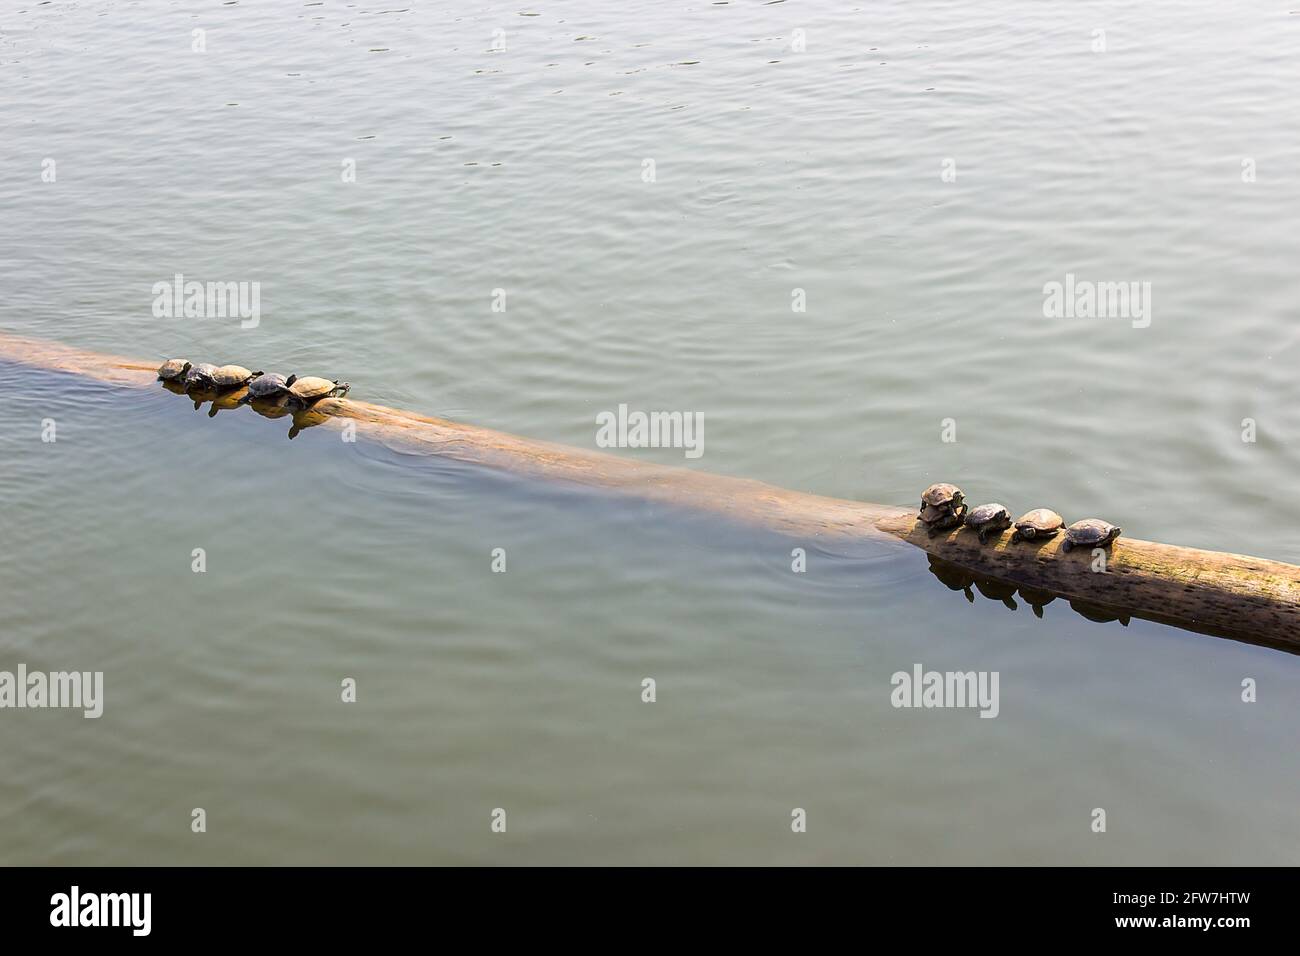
[
  {"x": 200, "y": 376},
  {"x": 941, "y": 497},
  {"x": 988, "y": 519},
  {"x": 944, "y": 522},
  {"x": 173, "y": 369},
  {"x": 942, "y": 507},
  {"x": 1090, "y": 533},
  {"x": 1039, "y": 523},
  {"x": 267, "y": 388},
  {"x": 232, "y": 376},
  {"x": 313, "y": 389}
]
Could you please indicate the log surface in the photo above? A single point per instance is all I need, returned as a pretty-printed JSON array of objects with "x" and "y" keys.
[{"x": 1230, "y": 595}]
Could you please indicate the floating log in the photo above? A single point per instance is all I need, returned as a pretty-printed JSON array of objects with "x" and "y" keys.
[{"x": 1228, "y": 595}]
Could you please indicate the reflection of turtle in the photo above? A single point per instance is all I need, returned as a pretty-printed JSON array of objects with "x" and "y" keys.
[
  {"x": 312, "y": 389},
  {"x": 1040, "y": 523},
  {"x": 272, "y": 409},
  {"x": 988, "y": 519},
  {"x": 173, "y": 369},
  {"x": 306, "y": 418},
  {"x": 174, "y": 385},
  {"x": 1037, "y": 599},
  {"x": 997, "y": 591},
  {"x": 229, "y": 399},
  {"x": 1090, "y": 533},
  {"x": 1098, "y": 613},
  {"x": 201, "y": 394},
  {"x": 952, "y": 576}
]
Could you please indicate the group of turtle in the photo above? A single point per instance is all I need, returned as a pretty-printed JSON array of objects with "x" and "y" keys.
[
  {"x": 943, "y": 506},
  {"x": 262, "y": 387}
]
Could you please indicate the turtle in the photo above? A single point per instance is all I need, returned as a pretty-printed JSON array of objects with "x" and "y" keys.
[
  {"x": 233, "y": 376},
  {"x": 941, "y": 497},
  {"x": 200, "y": 376},
  {"x": 267, "y": 388},
  {"x": 312, "y": 389},
  {"x": 944, "y": 522},
  {"x": 173, "y": 369},
  {"x": 985, "y": 520},
  {"x": 1090, "y": 533},
  {"x": 1039, "y": 523},
  {"x": 942, "y": 507}
]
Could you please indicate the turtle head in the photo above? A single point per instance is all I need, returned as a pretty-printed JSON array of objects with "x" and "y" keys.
[
  {"x": 291, "y": 379},
  {"x": 186, "y": 369},
  {"x": 255, "y": 374}
]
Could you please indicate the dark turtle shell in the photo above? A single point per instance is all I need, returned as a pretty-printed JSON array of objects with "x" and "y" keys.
[
  {"x": 200, "y": 375},
  {"x": 987, "y": 514},
  {"x": 270, "y": 385},
  {"x": 1090, "y": 533}
]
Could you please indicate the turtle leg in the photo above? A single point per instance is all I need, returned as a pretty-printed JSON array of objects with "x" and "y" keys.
[{"x": 1011, "y": 604}]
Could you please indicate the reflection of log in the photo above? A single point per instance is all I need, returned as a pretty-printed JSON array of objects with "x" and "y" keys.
[{"x": 1205, "y": 591}]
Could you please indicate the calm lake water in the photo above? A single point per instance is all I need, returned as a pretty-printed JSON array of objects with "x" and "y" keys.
[{"x": 505, "y": 148}]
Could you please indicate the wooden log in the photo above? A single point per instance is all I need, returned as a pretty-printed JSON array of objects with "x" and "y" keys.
[{"x": 1229, "y": 595}]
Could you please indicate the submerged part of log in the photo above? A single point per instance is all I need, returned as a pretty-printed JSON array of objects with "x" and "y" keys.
[{"x": 1230, "y": 595}]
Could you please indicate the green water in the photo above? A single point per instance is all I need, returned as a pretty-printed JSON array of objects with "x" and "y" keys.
[{"x": 328, "y": 560}]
